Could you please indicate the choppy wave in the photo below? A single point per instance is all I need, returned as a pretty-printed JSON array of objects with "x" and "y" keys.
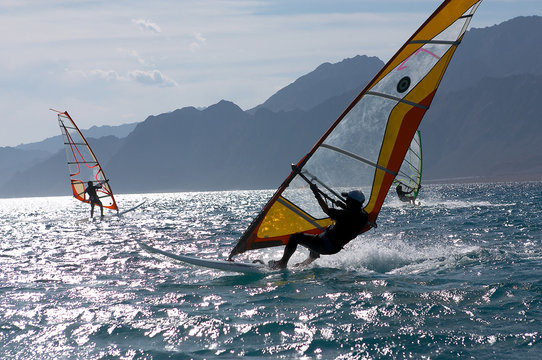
[{"x": 456, "y": 277}]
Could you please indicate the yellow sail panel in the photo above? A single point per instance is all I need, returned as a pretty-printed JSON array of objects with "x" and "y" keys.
[
  {"x": 284, "y": 218},
  {"x": 366, "y": 145},
  {"x": 83, "y": 166}
]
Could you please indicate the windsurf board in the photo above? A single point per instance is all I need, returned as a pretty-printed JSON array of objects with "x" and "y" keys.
[{"x": 224, "y": 265}]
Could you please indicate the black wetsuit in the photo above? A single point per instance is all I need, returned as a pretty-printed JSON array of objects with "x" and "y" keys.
[
  {"x": 94, "y": 199},
  {"x": 91, "y": 191},
  {"x": 348, "y": 224}
]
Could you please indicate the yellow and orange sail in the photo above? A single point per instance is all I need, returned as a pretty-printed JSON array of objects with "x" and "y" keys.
[
  {"x": 83, "y": 165},
  {"x": 365, "y": 147}
]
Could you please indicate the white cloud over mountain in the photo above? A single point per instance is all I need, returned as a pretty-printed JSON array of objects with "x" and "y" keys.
[
  {"x": 147, "y": 25},
  {"x": 152, "y": 77}
]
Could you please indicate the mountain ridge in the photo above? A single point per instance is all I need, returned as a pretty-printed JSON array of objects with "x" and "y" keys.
[{"x": 482, "y": 124}]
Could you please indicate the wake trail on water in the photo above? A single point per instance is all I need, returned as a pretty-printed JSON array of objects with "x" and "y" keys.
[
  {"x": 400, "y": 257},
  {"x": 435, "y": 202}
]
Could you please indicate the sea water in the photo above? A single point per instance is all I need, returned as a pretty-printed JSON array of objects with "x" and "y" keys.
[{"x": 459, "y": 276}]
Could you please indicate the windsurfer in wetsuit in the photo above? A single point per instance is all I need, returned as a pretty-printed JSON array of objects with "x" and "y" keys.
[
  {"x": 349, "y": 222},
  {"x": 403, "y": 194},
  {"x": 93, "y": 198}
]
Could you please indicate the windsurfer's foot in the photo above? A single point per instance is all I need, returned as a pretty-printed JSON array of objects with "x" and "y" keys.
[
  {"x": 276, "y": 265},
  {"x": 305, "y": 262}
]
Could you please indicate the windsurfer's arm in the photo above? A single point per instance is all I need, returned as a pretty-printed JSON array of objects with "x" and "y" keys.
[{"x": 318, "y": 197}]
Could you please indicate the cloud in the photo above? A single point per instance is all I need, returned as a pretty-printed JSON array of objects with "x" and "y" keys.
[
  {"x": 147, "y": 25},
  {"x": 134, "y": 54},
  {"x": 199, "y": 42},
  {"x": 77, "y": 75},
  {"x": 109, "y": 75},
  {"x": 152, "y": 77}
]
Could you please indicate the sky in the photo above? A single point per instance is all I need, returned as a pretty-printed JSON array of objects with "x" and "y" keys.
[{"x": 111, "y": 62}]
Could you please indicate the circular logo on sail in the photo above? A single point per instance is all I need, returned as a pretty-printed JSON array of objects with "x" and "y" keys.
[{"x": 403, "y": 84}]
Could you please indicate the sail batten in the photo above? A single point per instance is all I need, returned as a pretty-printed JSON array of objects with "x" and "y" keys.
[
  {"x": 440, "y": 42},
  {"x": 398, "y": 99},
  {"x": 365, "y": 147},
  {"x": 359, "y": 158}
]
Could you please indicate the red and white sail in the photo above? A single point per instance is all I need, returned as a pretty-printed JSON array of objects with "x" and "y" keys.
[{"x": 83, "y": 165}]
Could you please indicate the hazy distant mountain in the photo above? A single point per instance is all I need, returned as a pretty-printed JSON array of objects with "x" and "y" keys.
[
  {"x": 491, "y": 129},
  {"x": 483, "y": 123},
  {"x": 21, "y": 158},
  {"x": 13, "y": 160},
  {"x": 50, "y": 176},
  {"x": 55, "y": 143},
  {"x": 220, "y": 147},
  {"x": 510, "y": 48},
  {"x": 325, "y": 82}
]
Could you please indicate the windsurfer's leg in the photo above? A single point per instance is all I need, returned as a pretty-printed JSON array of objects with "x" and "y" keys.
[
  {"x": 289, "y": 250},
  {"x": 91, "y": 209},
  {"x": 313, "y": 255},
  {"x": 101, "y": 208}
]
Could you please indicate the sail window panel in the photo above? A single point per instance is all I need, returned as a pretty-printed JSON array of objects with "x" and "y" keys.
[
  {"x": 361, "y": 132},
  {"x": 334, "y": 170},
  {"x": 85, "y": 173},
  {"x": 454, "y": 31},
  {"x": 402, "y": 79},
  {"x": 300, "y": 194},
  {"x": 343, "y": 173},
  {"x": 74, "y": 169},
  {"x": 73, "y": 162}
]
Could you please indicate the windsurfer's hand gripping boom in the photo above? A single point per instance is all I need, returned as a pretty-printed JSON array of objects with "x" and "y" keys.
[{"x": 318, "y": 195}]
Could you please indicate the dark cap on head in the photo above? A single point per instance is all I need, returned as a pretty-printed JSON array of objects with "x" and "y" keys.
[{"x": 355, "y": 195}]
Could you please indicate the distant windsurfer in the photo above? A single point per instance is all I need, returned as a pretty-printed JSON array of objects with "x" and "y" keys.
[
  {"x": 349, "y": 223},
  {"x": 93, "y": 198},
  {"x": 404, "y": 195}
]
